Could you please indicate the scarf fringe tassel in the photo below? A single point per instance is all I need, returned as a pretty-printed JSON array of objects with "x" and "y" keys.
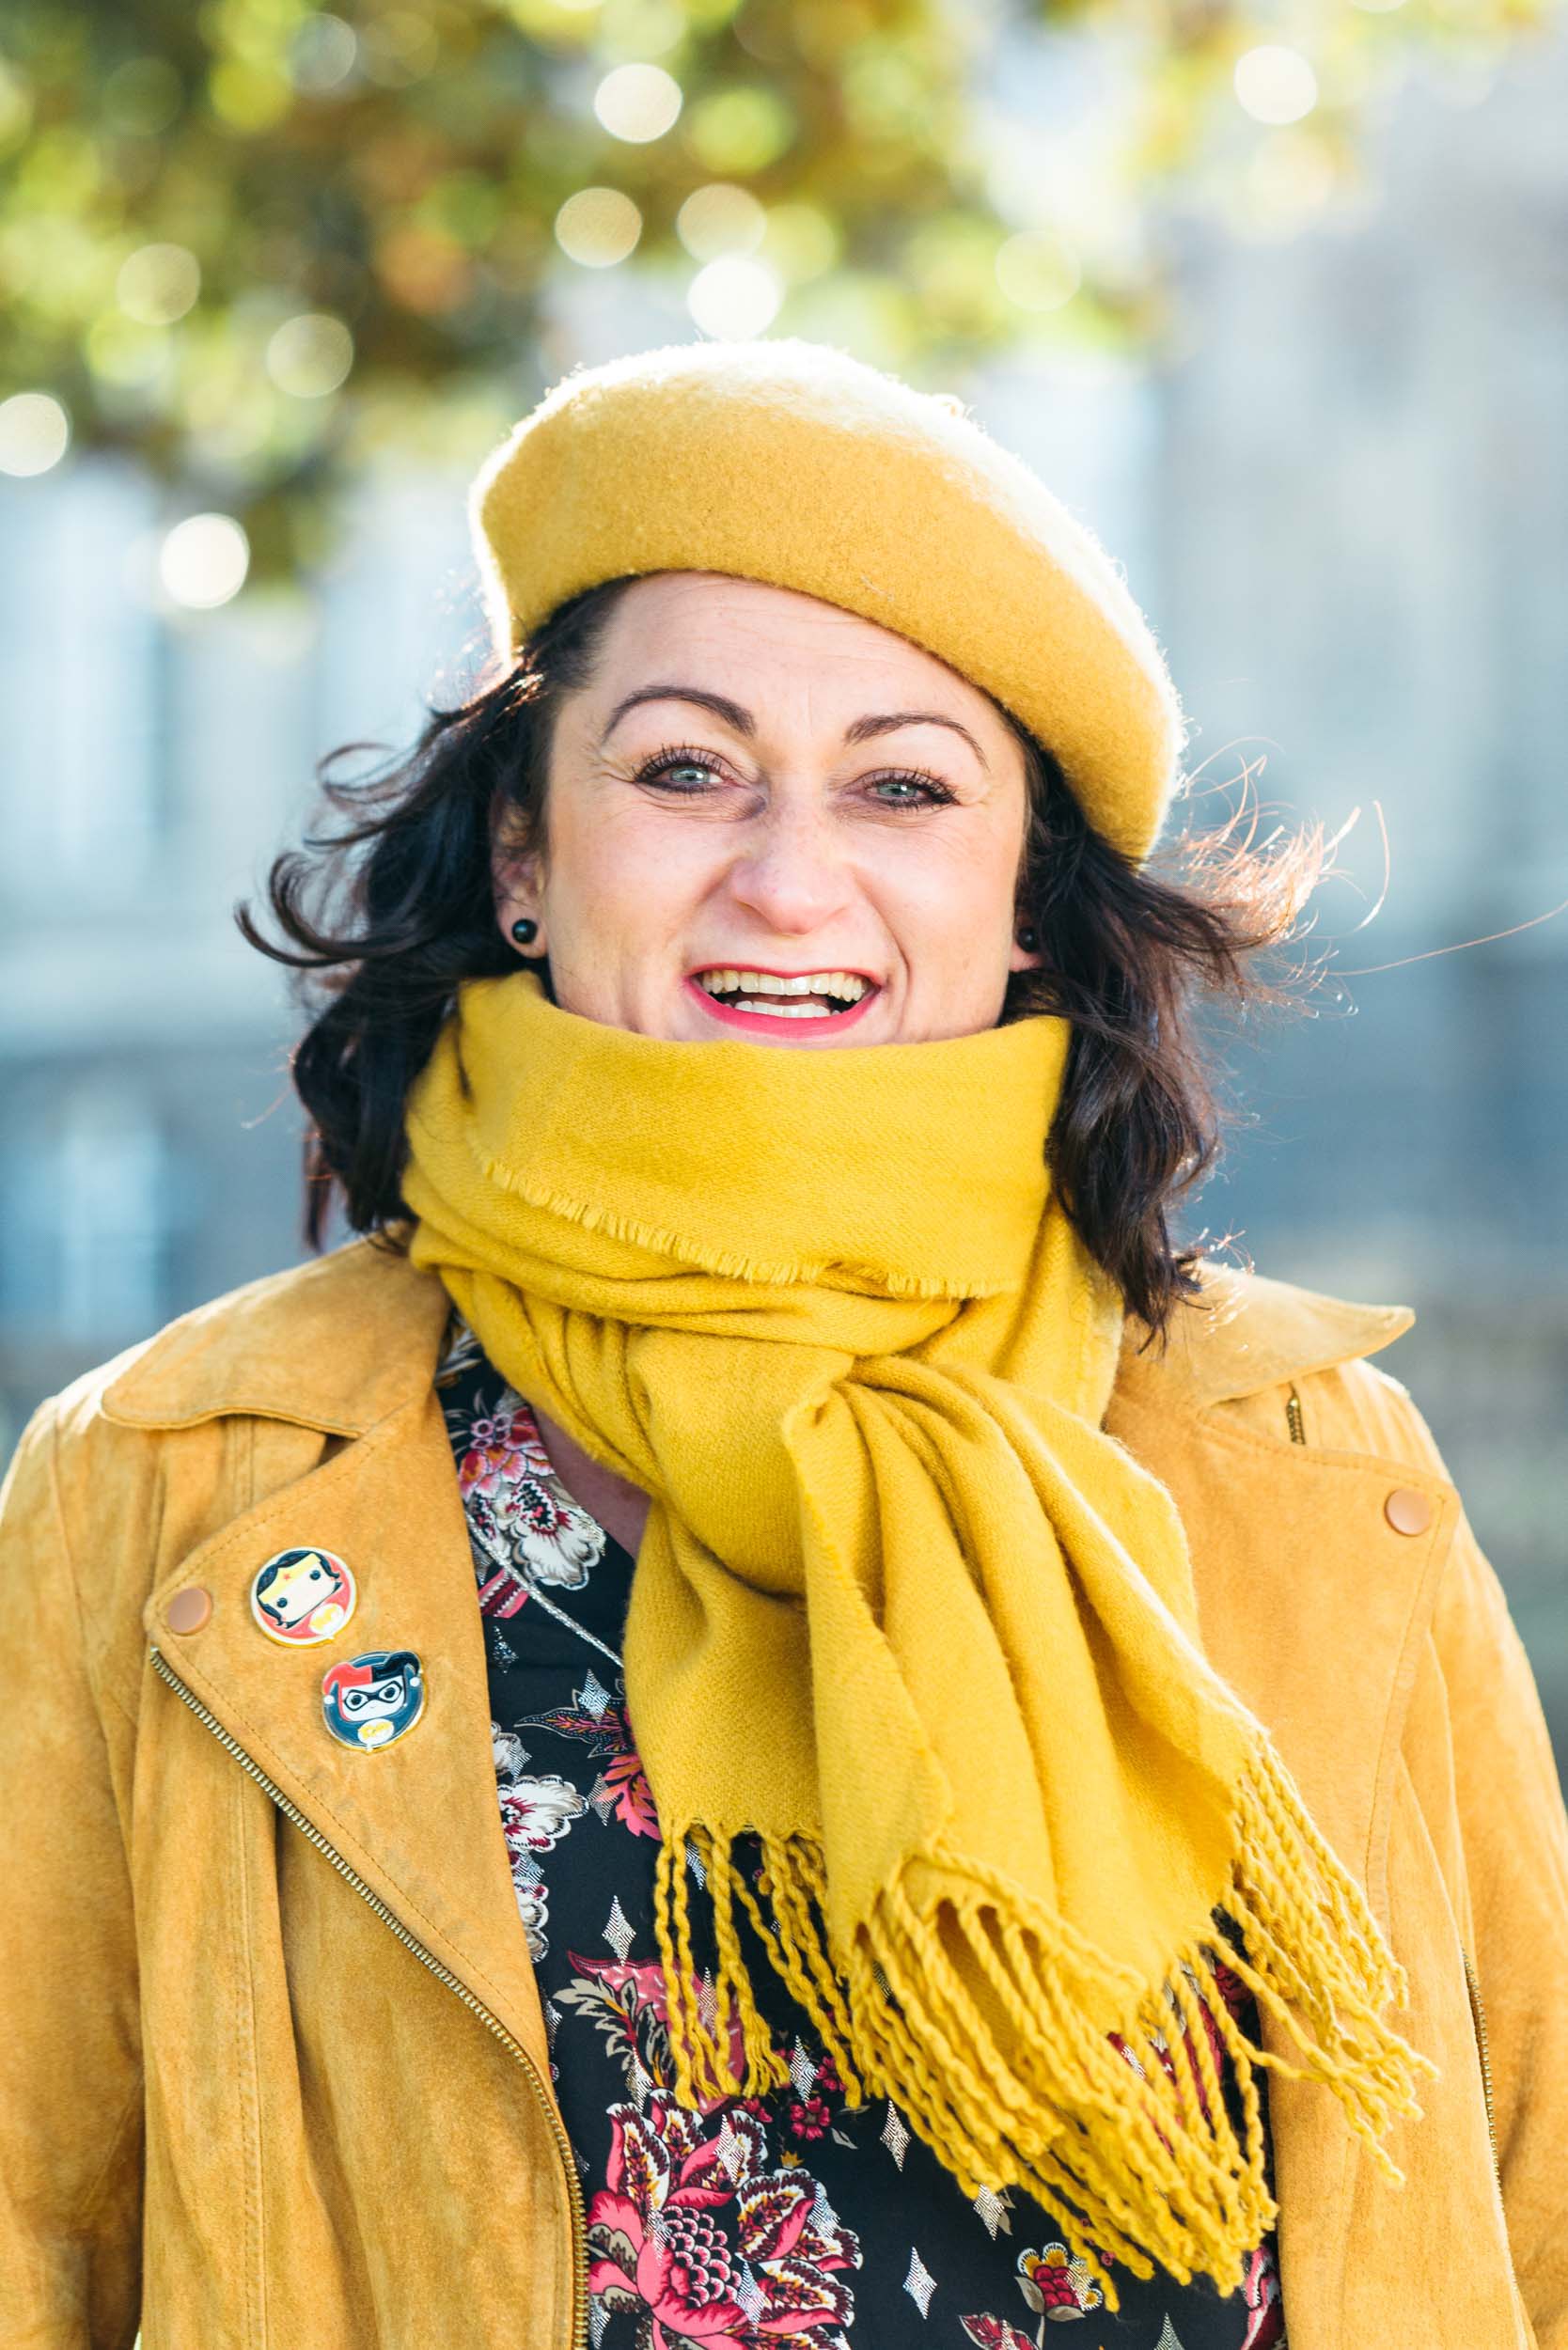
[{"x": 1124, "y": 2136}]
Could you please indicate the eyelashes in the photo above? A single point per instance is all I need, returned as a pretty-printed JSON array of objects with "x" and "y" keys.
[{"x": 933, "y": 791}]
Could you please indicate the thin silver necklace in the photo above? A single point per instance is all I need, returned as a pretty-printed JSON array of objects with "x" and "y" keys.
[{"x": 504, "y": 1558}]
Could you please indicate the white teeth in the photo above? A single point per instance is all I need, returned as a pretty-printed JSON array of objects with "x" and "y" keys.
[
  {"x": 782, "y": 1011},
  {"x": 726, "y": 980}
]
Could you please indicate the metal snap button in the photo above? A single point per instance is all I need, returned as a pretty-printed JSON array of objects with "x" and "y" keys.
[
  {"x": 1408, "y": 1511},
  {"x": 188, "y": 1610}
]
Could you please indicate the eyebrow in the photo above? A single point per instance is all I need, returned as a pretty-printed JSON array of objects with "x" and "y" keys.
[{"x": 733, "y": 714}]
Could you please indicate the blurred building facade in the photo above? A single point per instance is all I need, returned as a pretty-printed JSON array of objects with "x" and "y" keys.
[{"x": 1346, "y": 510}]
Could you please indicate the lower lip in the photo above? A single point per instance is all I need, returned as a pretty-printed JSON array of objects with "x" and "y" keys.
[{"x": 768, "y": 1024}]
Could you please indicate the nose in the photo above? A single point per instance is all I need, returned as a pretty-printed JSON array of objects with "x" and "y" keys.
[{"x": 791, "y": 871}]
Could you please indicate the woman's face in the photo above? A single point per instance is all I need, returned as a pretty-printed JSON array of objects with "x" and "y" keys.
[{"x": 759, "y": 788}]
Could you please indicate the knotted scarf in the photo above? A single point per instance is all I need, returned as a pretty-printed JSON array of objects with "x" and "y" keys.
[{"x": 912, "y": 1654}]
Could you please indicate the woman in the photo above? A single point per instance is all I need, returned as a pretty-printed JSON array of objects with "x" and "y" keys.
[{"x": 1057, "y": 1821}]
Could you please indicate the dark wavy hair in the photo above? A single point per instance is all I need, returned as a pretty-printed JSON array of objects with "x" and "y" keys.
[{"x": 386, "y": 911}]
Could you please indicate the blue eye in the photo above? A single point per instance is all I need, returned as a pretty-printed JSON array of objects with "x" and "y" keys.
[
  {"x": 669, "y": 763},
  {"x": 930, "y": 793},
  {"x": 914, "y": 787}
]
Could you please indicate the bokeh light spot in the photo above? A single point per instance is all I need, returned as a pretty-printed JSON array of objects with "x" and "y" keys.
[
  {"x": 1037, "y": 270},
  {"x": 158, "y": 284},
  {"x": 248, "y": 97},
  {"x": 802, "y": 240},
  {"x": 398, "y": 48},
  {"x": 322, "y": 54},
  {"x": 735, "y": 133},
  {"x": 123, "y": 352},
  {"x": 641, "y": 28},
  {"x": 736, "y": 297},
  {"x": 310, "y": 356},
  {"x": 1275, "y": 84},
  {"x": 425, "y": 270},
  {"x": 718, "y": 219},
  {"x": 1287, "y": 180},
  {"x": 203, "y": 561},
  {"x": 35, "y": 433},
  {"x": 142, "y": 96},
  {"x": 598, "y": 226},
  {"x": 637, "y": 103}
]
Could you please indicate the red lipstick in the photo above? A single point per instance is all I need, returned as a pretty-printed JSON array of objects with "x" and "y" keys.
[{"x": 769, "y": 1024}]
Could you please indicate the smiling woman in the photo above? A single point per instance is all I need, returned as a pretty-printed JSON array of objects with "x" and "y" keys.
[
  {"x": 846, "y": 802},
  {"x": 890, "y": 1738},
  {"x": 849, "y": 808}
]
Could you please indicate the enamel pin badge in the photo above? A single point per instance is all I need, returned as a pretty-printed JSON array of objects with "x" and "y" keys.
[
  {"x": 371, "y": 1700},
  {"x": 303, "y": 1597}
]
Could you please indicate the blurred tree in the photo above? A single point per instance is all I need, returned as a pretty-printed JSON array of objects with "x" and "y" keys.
[{"x": 252, "y": 241}]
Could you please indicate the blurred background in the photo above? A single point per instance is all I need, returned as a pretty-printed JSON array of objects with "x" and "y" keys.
[{"x": 1275, "y": 294}]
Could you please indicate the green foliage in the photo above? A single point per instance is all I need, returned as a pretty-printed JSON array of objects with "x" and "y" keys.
[{"x": 252, "y": 241}]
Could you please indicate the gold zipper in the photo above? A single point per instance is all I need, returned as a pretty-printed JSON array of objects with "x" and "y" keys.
[
  {"x": 441, "y": 1973},
  {"x": 1294, "y": 1420},
  {"x": 1477, "y": 2017}
]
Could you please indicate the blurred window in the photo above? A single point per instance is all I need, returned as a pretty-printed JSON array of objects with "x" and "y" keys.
[
  {"x": 87, "y": 1201},
  {"x": 80, "y": 671}
]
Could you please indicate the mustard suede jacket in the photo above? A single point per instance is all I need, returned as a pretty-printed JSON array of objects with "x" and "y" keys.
[{"x": 272, "y": 2070}]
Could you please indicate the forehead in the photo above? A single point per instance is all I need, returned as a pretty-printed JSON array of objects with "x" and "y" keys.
[{"x": 751, "y": 640}]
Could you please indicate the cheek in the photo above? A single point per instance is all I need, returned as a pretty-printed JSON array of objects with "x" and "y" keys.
[
  {"x": 623, "y": 869},
  {"x": 954, "y": 890}
]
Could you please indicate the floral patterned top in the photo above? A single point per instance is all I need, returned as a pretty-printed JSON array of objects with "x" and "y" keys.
[{"x": 792, "y": 2220}]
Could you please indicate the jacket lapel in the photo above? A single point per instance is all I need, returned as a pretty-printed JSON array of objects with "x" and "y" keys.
[{"x": 417, "y": 1821}]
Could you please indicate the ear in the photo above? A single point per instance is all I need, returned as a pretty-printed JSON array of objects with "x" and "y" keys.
[
  {"x": 515, "y": 899},
  {"x": 516, "y": 881}
]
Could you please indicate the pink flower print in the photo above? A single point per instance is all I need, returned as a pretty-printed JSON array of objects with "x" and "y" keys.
[
  {"x": 512, "y": 1496},
  {"x": 503, "y": 1444},
  {"x": 1265, "y": 2327},
  {"x": 809, "y": 2117},
  {"x": 809, "y": 2112},
  {"x": 537, "y": 1813},
  {"x": 533, "y": 1907},
  {"x": 693, "y": 2234},
  {"x": 629, "y": 2005},
  {"x": 623, "y": 1788},
  {"x": 1053, "y": 2281},
  {"x": 627, "y": 1781}
]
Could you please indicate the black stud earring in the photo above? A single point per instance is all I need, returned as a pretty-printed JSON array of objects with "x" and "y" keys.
[
  {"x": 525, "y": 930},
  {"x": 1028, "y": 938}
]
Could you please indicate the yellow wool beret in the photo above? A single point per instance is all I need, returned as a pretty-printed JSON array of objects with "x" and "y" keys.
[{"x": 791, "y": 462}]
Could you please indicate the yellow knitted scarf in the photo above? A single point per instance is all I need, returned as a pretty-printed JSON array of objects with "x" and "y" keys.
[{"x": 902, "y": 1611}]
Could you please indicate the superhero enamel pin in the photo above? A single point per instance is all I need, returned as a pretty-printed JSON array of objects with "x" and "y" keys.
[
  {"x": 369, "y": 1701},
  {"x": 301, "y": 1597}
]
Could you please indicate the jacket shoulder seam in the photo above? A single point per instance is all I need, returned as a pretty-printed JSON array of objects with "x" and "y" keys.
[
  {"x": 92, "y": 1657},
  {"x": 44, "y": 1431}
]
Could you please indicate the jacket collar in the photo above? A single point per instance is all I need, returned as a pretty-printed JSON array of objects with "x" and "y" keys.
[
  {"x": 337, "y": 1345},
  {"x": 340, "y": 1343},
  {"x": 1245, "y": 1333}
]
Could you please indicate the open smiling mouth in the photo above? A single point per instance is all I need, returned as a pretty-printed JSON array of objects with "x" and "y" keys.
[{"x": 745, "y": 997}]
